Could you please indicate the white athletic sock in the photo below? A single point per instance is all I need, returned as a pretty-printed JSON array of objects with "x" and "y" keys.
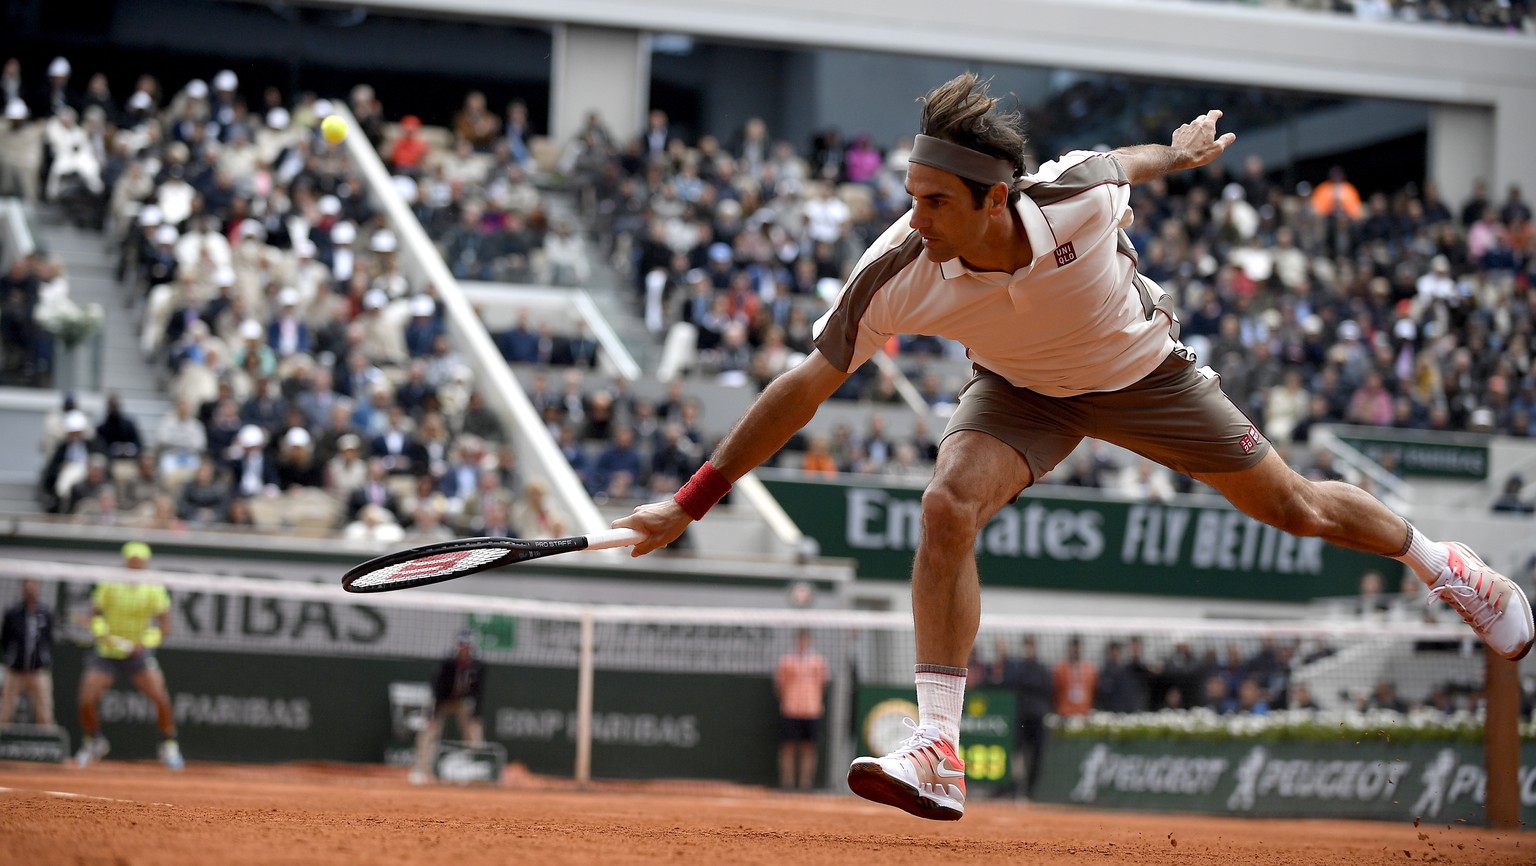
[
  {"x": 1426, "y": 558},
  {"x": 941, "y": 699}
]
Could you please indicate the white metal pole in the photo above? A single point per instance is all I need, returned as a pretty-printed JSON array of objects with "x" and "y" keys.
[{"x": 584, "y": 700}]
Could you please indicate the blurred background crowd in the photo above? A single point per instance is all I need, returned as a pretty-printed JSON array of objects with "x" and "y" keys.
[{"x": 1509, "y": 15}]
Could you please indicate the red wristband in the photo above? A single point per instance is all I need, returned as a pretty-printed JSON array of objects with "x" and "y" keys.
[{"x": 703, "y": 490}]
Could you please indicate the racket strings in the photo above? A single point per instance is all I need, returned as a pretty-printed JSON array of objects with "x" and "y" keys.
[{"x": 429, "y": 568}]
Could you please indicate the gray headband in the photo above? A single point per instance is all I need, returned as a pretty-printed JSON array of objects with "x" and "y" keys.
[{"x": 960, "y": 160}]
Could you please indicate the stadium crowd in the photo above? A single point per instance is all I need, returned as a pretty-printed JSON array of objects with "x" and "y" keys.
[
  {"x": 304, "y": 364},
  {"x": 313, "y": 383},
  {"x": 1390, "y": 307},
  {"x": 1225, "y": 678},
  {"x": 1320, "y": 303},
  {"x": 1513, "y": 16}
]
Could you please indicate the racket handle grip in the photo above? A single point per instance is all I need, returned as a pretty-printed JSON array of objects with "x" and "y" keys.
[{"x": 613, "y": 538}]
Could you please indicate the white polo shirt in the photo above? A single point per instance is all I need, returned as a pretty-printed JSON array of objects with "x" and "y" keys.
[{"x": 1078, "y": 319}]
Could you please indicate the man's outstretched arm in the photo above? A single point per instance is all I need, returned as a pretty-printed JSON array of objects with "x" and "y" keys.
[
  {"x": 1194, "y": 144},
  {"x": 786, "y": 405}
]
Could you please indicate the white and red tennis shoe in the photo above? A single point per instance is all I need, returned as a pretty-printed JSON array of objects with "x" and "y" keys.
[
  {"x": 1489, "y": 602},
  {"x": 170, "y": 755},
  {"x": 924, "y": 776},
  {"x": 92, "y": 750}
]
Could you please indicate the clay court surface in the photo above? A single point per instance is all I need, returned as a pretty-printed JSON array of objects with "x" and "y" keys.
[{"x": 137, "y": 814}]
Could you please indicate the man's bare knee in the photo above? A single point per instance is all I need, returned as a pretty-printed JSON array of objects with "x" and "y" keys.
[{"x": 947, "y": 515}]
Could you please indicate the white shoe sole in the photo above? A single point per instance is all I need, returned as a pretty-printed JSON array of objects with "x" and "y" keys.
[
  {"x": 870, "y": 781},
  {"x": 1529, "y": 615}
]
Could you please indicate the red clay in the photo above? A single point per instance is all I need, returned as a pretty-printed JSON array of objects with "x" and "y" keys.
[{"x": 137, "y": 813}]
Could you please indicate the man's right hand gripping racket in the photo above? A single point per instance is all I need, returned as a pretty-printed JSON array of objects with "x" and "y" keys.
[{"x": 435, "y": 563}]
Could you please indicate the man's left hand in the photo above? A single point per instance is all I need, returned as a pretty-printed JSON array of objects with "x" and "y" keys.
[{"x": 1196, "y": 141}]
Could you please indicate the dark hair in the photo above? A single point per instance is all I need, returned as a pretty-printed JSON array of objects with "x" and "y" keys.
[{"x": 960, "y": 111}]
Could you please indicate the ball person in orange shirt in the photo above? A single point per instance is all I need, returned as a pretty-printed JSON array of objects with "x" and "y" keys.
[{"x": 800, "y": 681}]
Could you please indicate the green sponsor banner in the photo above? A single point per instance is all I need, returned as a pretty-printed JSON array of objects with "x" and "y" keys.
[
  {"x": 986, "y": 730},
  {"x": 645, "y": 725},
  {"x": 1424, "y": 781},
  {"x": 1090, "y": 543},
  {"x": 283, "y": 707},
  {"x": 1427, "y": 455}
]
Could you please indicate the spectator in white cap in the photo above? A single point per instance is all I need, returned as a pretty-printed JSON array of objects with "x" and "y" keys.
[
  {"x": 1436, "y": 286},
  {"x": 374, "y": 300},
  {"x": 225, "y": 302},
  {"x": 310, "y": 277},
  {"x": 248, "y": 465},
  {"x": 296, "y": 464},
  {"x": 21, "y": 152},
  {"x": 348, "y": 469},
  {"x": 383, "y": 332},
  {"x": 275, "y": 136},
  {"x": 139, "y": 108},
  {"x": 288, "y": 334},
  {"x": 189, "y": 113},
  {"x": 423, "y": 327},
  {"x": 252, "y": 340},
  {"x": 66, "y": 467},
  {"x": 409, "y": 190},
  {"x": 382, "y": 241},
  {"x": 223, "y": 102},
  {"x": 250, "y": 243},
  {"x": 343, "y": 259},
  {"x": 387, "y": 265},
  {"x": 318, "y": 111},
  {"x": 56, "y": 95}
]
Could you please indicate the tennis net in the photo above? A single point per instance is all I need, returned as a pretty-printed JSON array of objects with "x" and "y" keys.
[{"x": 1058, "y": 708}]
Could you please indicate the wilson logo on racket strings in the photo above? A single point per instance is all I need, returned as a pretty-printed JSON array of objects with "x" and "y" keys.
[{"x": 431, "y": 565}]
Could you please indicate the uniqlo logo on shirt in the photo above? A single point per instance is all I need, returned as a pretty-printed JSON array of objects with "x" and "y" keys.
[
  {"x": 1065, "y": 255},
  {"x": 1250, "y": 440}
]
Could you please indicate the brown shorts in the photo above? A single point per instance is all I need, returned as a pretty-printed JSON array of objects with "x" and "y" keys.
[{"x": 1176, "y": 416}]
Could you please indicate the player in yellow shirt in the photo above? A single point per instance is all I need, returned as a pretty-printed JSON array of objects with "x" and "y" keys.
[{"x": 129, "y": 620}]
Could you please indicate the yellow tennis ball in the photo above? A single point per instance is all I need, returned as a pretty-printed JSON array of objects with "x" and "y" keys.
[{"x": 333, "y": 128}]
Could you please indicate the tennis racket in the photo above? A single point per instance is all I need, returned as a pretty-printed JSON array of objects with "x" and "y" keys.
[{"x": 446, "y": 560}]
